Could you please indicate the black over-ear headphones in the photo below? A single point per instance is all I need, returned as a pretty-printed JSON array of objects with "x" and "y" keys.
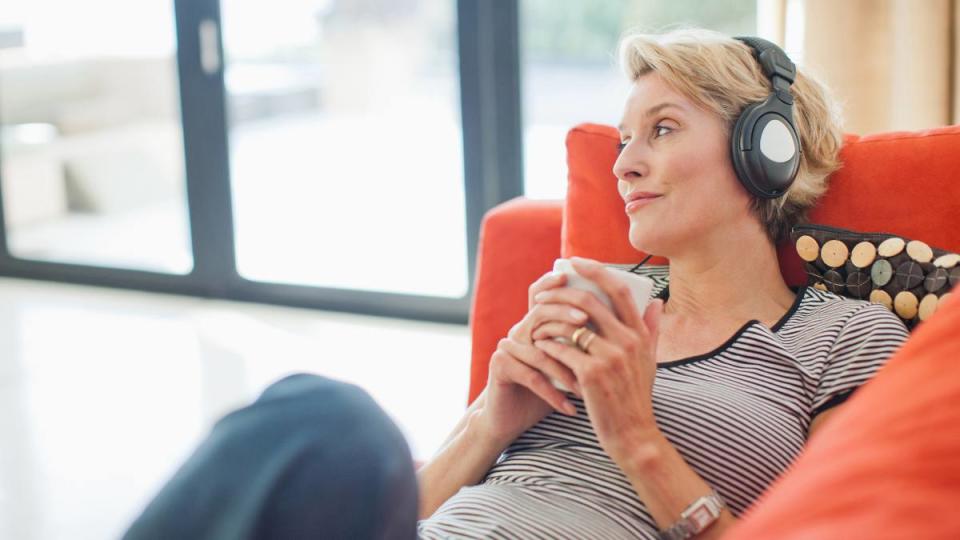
[{"x": 764, "y": 145}]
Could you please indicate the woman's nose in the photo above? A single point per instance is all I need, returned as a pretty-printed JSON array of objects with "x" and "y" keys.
[{"x": 629, "y": 164}]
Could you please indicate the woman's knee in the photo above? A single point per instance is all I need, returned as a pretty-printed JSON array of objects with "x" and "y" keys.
[
  {"x": 302, "y": 384},
  {"x": 356, "y": 458},
  {"x": 306, "y": 392},
  {"x": 309, "y": 442},
  {"x": 328, "y": 409}
]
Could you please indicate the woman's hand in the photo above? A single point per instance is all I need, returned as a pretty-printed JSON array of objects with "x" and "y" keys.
[
  {"x": 518, "y": 395},
  {"x": 616, "y": 376}
]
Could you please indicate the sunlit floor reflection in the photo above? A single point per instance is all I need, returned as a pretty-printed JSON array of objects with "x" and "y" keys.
[{"x": 105, "y": 392}]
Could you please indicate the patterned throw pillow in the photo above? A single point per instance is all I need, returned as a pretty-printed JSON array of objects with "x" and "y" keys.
[{"x": 907, "y": 276}]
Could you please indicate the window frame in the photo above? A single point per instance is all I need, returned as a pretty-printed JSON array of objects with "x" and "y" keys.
[{"x": 490, "y": 100}]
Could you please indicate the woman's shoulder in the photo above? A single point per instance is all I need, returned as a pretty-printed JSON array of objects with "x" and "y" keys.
[{"x": 820, "y": 307}]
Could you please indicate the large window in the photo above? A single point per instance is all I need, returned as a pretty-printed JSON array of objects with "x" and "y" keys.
[
  {"x": 90, "y": 135},
  {"x": 302, "y": 152},
  {"x": 345, "y": 147},
  {"x": 570, "y": 73}
]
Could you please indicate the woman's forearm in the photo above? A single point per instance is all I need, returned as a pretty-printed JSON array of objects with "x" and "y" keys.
[
  {"x": 477, "y": 403},
  {"x": 462, "y": 461},
  {"x": 667, "y": 485}
]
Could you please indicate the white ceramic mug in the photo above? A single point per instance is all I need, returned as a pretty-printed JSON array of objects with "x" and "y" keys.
[{"x": 640, "y": 287}]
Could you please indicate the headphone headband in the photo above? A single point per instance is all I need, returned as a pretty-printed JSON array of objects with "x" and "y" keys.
[
  {"x": 773, "y": 61},
  {"x": 765, "y": 146}
]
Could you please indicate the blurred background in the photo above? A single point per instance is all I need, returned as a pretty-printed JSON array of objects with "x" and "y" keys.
[{"x": 335, "y": 157}]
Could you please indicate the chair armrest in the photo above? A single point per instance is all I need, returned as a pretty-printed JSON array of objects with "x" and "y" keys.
[{"x": 519, "y": 240}]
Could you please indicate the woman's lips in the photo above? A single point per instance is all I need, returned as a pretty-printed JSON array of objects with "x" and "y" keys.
[{"x": 633, "y": 205}]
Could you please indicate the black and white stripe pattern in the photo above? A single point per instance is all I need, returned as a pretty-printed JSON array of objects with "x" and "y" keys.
[{"x": 738, "y": 415}]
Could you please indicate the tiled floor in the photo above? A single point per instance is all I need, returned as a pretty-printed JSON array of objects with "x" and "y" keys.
[{"x": 104, "y": 392}]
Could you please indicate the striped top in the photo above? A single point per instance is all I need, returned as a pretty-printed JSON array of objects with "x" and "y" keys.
[{"x": 738, "y": 415}]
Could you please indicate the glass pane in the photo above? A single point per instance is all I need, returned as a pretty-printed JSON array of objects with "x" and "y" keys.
[
  {"x": 345, "y": 144},
  {"x": 92, "y": 149},
  {"x": 570, "y": 73}
]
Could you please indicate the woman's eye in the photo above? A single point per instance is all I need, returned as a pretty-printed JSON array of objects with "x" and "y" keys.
[
  {"x": 659, "y": 131},
  {"x": 659, "y": 127}
]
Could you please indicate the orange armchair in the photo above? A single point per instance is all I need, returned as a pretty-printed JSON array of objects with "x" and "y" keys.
[{"x": 906, "y": 183}]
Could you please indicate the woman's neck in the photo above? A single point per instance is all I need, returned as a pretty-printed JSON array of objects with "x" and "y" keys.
[{"x": 733, "y": 281}]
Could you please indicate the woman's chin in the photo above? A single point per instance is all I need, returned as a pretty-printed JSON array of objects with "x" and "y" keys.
[{"x": 641, "y": 240}]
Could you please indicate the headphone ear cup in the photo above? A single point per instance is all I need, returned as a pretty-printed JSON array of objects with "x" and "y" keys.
[
  {"x": 765, "y": 148},
  {"x": 740, "y": 136}
]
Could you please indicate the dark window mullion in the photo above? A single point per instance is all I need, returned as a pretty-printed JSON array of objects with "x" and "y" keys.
[
  {"x": 206, "y": 150},
  {"x": 490, "y": 97}
]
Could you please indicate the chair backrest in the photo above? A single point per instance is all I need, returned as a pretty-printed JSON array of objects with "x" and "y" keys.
[{"x": 905, "y": 183}]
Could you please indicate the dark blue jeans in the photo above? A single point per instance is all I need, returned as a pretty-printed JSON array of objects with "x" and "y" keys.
[{"x": 310, "y": 458}]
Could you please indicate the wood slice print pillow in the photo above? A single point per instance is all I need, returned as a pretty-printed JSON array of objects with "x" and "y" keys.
[{"x": 907, "y": 276}]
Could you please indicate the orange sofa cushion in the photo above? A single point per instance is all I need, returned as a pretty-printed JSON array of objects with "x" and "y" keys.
[
  {"x": 887, "y": 465},
  {"x": 900, "y": 182},
  {"x": 519, "y": 240}
]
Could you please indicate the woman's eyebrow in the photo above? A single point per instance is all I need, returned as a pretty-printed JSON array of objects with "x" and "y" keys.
[
  {"x": 657, "y": 108},
  {"x": 654, "y": 110}
]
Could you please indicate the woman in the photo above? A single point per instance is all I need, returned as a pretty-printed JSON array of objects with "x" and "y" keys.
[
  {"x": 698, "y": 403},
  {"x": 746, "y": 369}
]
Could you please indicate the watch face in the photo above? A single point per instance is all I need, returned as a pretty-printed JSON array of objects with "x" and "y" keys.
[{"x": 702, "y": 516}]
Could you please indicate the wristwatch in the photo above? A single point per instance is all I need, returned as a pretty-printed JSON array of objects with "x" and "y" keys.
[{"x": 697, "y": 517}]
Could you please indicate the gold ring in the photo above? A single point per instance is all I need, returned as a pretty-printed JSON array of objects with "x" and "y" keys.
[
  {"x": 576, "y": 335},
  {"x": 586, "y": 343}
]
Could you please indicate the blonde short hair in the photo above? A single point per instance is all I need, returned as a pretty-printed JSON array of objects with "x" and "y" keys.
[{"x": 721, "y": 75}]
